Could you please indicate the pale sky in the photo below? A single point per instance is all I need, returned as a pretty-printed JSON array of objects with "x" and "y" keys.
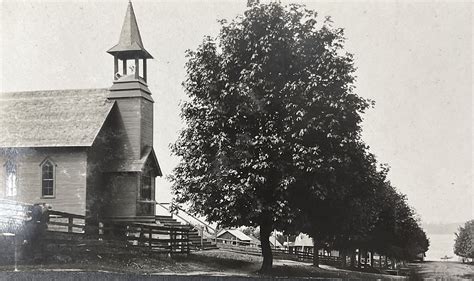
[{"x": 413, "y": 59}]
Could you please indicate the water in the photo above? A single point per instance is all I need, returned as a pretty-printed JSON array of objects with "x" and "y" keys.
[{"x": 441, "y": 245}]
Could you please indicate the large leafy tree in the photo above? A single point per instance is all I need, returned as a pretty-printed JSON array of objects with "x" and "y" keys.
[
  {"x": 464, "y": 243},
  {"x": 342, "y": 217},
  {"x": 396, "y": 232},
  {"x": 270, "y": 102}
]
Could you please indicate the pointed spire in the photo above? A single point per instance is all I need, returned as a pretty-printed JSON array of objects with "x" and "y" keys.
[{"x": 130, "y": 43}]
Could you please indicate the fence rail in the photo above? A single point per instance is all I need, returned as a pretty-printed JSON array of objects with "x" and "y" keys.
[
  {"x": 292, "y": 254},
  {"x": 65, "y": 222},
  {"x": 16, "y": 217},
  {"x": 190, "y": 219},
  {"x": 141, "y": 235}
]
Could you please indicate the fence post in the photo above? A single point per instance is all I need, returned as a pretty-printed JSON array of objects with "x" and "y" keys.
[
  {"x": 183, "y": 235},
  {"x": 202, "y": 239},
  {"x": 171, "y": 241},
  {"x": 70, "y": 221},
  {"x": 187, "y": 242},
  {"x": 150, "y": 237}
]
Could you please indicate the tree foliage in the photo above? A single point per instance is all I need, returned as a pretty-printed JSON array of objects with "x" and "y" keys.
[
  {"x": 397, "y": 232},
  {"x": 464, "y": 243},
  {"x": 362, "y": 210},
  {"x": 272, "y": 131},
  {"x": 252, "y": 231},
  {"x": 270, "y": 101}
]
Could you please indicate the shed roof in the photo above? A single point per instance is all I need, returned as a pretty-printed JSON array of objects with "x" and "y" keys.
[
  {"x": 126, "y": 165},
  {"x": 236, "y": 233},
  {"x": 52, "y": 118}
]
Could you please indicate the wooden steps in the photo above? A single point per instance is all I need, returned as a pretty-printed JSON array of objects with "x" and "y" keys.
[{"x": 194, "y": 237}]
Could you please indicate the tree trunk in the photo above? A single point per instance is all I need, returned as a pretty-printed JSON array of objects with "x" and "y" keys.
[
  {"x": 315, "y": 253},
  {"x": 353, "y": 258},
  {"x": 365, "y": 255},
  {"x": 372, "y": 259},
  {"x": 265, "y": 231}
]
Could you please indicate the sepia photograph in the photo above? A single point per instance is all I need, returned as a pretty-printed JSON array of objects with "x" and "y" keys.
[{"x": 236, "y": 140}]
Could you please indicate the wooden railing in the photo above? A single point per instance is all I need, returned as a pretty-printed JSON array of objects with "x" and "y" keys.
[
  {"x": 142, "y": 235},
  {"x": 66, "y": 222},
  {"x": 157, "y": 238},
  {"x": 200, "y": 225},
  {"x": 253, "y": 248}
]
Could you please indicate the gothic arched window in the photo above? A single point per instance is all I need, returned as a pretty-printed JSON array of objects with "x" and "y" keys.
[
  {"x": 10, "y": 178},
  {"x": 47, "y": 178}
]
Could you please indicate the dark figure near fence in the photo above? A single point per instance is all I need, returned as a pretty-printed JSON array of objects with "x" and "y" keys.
[
  {"x": 35, "y": 229},
  {"x": 39, "y": 220}
]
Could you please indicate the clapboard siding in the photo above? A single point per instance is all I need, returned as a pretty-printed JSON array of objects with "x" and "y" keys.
[
  {"x": 122, "y": 195},
  {"x": 99, "y": 155},
  {"x": 130, "y": 135},
  {"x": 136, "y": 126},
  {"x": 147, "y": 123},
  {"x": 70, "y": 177}
]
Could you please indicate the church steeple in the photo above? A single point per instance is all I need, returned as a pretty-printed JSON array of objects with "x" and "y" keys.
[{"x": 130, "y": 47}]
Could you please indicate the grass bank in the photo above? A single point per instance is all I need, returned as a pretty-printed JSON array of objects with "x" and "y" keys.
[{"x": 205, "y": 263}]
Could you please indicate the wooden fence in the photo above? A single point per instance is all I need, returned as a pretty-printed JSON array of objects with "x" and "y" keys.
[
  {"x": 163, "y": 239},
  {"x": 255, "y": 249},
  {"x": 15, "y": 217},
  {"x": 66, "y": 222}
]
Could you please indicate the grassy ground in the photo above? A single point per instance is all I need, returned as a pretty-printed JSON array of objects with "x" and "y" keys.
[
  {"x": 246, "y": 264},
  {"x": 440, "y": 270},
  {"x": 204, "y": 263}
]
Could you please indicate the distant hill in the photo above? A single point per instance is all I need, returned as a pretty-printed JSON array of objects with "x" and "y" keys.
[{"x": 441, "y": 228}]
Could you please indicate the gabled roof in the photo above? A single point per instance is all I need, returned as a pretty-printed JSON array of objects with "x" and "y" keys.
[
  {"x": 274, "y": 242},
  {"x": 303, "y": 240},
  {"x": 148, "y": 158},
  {"x": 255, "y": 240},
  {"x": 130, "y": 41},
  {"x": 236, "y": 233},
  {"x": 52, "y": 118}
]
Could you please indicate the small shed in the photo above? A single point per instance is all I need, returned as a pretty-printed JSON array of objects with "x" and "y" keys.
[
  {"x": 303, "y": 243},
  {"x": 234, "y": 237}
]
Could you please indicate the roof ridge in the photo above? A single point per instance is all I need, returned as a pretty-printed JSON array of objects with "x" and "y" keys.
[{"x": 54, "y": 90}]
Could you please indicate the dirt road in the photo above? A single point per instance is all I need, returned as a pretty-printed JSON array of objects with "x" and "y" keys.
[{"x": 442, "y": 270}]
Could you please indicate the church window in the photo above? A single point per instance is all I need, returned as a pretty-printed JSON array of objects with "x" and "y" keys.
[
  {"x": 47, "y": 179},
  {"x": 11, "y": 179},
  {"x": 146, "y": 192}
]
